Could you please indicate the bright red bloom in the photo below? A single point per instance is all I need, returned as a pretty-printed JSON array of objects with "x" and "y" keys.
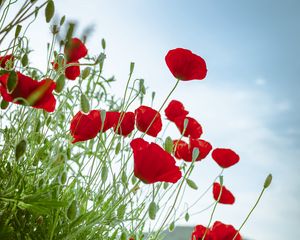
[
  {"x": 127, "y": 123},
  {"x": 193, "y": 128},
  {"x": 226, "y": 196},
  {"x": 4, "y": 59},
  {"x": 111, "y": 119},
  {"x": 144, "y": 120},
  {"x": 225, "y": 157},
  {"x": 72, "y": 72},
  {"x": 185, "y": 151},
  {"x": 199, "y": 232},
  {"x": 152, "y": 163},
  {"x": 175, "y": 109},
  {"x": 38, "y": 94},
  {"x": 222, "y": 231},
  {"x": 85, "y": 126},
  {"x": 181, "y": 149},
  {"x": 74, "y": 50},
  {"x": 185, "y": 65}
]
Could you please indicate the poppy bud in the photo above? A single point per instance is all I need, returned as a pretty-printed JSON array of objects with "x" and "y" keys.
[
  {"x": 103, "y": 43},
  {"x": 84, "y": 103},
  {"x": 195, "y": 154},
  {"x": 4, "y": 104},
  {"x": 118, "y": 147},
  {"x": 268, "y": 181},
  {"x": 123, "y": 236},
  {"x": 62, "y": 20},
  {"x": 104, "y": 174},
  {"x": 86, "y": 72},
  {"x": 172, "y": 226},
  {"x": 24, "y": 60},
  {"x": 49, "y": 11},
  {"x": 20, "y": 149},
  {"x": 169, "y": 144},
  {"x": 121, "y": 211},
  {"x": 72, "y": 210},
  {"x": 187, "y": 217},
  {"x": 191, "y": 184},
  {"x": 60, "y": 83},
  {"x": 152, "y": 210},
  {"x": 18, "y": 30},
  {"x": 131, "y": 68},
  {"x": 12, "y": 81}
]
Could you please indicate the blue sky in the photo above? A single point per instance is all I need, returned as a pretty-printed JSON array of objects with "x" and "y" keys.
[{"x": 248, "y": 102}]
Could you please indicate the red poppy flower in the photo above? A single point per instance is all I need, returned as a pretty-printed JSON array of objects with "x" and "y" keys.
[
  {"x": 180, "y": 149},
  {"x": 85, "y": 126},
  {"x": 38, "y": 94},
  {"x": 144, "y": 117},
  {"x": 185, "y": 65},
  {"x": 226, "y": 196},
  {"x": 74, "y": 50},
  {"x": 225, "y": 157},
  {"x": 127, "y": 123},
  {"x": 222, "y": 231},
  {"x": 111, "y": 119},
  {"x": 5, "y": 59},
  {"x": 185, "y": 151},
  {"x": 193, "y": 128},
  {"x": 199, "y": 232},
  {"x": 152, "y": 163},
  {"x": 72, "y": 72},
  {"x": 175, "y": 109}
]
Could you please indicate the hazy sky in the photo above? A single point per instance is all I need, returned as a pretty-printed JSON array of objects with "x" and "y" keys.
[{"x": 248, "y": 102}]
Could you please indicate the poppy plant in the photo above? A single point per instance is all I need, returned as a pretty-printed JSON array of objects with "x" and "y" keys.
[
  {"x": 193, "y": 128},
  {"x": 224, "y": 231},
  {"x": 148, "y": 120},
  {"x": 185, "y": 65},
  {"x": 175, "y": 109},
  {"x": 225, "y": 157},
  {"x": 38, "y": 94},
  {"x": 184, "y": 151},
  {"x": 125, "y": 123},
  {"x": 224, "y": 196},
  {"x": 74, "y": 50},
  {"x": 199, "y": 231},
  {"x": 152, "y": 163},
  {"x": 5, "y": 59},
  {"x": 85, "y": 126}
]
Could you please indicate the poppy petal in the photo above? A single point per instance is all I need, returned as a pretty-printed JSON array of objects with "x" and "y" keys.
[{"x": 225, "y": 157}]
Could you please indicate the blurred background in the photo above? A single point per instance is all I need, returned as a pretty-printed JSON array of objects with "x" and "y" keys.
[{"x": 249, "y": 101}]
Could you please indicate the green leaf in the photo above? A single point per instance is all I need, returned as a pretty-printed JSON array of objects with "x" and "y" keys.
[
  {"x": 49, "y": 11},
  {"x": 118, "y": 148},
  {"x": 104, "y": 174},
  {"x": 191, "y": 184}
]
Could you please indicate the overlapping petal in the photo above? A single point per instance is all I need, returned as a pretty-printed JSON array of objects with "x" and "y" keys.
[
  {"x": 193, "y": 128},
  {"x": 224, "y": 196},
  {"x": 148, "y": 120},
  {"x": 152, "y": 163},
  {"x": 175, "y": 109}
]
